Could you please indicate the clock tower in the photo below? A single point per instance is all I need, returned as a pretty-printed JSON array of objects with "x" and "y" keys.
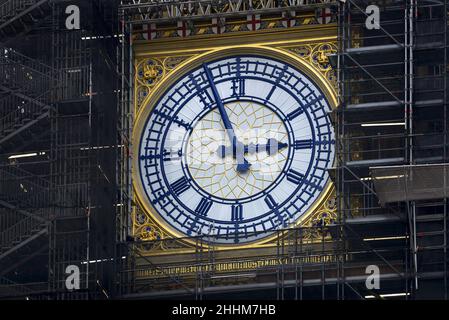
[{"x": 232, "y": 137}]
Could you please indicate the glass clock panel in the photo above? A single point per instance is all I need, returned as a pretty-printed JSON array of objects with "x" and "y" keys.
[{"x": 236, "y": 149}]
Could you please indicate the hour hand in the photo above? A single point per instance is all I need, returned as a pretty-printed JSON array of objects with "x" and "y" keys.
[
  {"x": 237, "y": 151},
  {"x": 243, "y": 165}
]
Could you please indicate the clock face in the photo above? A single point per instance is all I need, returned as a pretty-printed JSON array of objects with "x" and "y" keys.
[{"x": 236, "y": 148}]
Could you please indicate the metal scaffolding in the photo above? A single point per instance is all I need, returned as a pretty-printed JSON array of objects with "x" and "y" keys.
[
  {"x": 58, "y": 144},
  {"x": 392, "y": 112},
  {"x": 66, "y": 114},
  {"x": 149, "y": 11}
]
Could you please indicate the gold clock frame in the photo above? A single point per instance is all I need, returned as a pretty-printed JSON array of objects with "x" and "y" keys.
[{"x": 286, "y": 54}]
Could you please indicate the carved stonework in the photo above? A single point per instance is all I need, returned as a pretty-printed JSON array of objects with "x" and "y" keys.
[
  {"x": 150, "y": 236},
  {"x": 355, "y": 40},
  {"x": 141, "y": 93},
  {"x": 317, "y": 55},
  {"x": 317, "y": 225},
  {"x": 356, "y": 206},
  {"x": 150, "y": 71},
  {"x": 171, "y": 63},
  {"x": 144, "y": 229},
  {"x": 257, "y": 23}
]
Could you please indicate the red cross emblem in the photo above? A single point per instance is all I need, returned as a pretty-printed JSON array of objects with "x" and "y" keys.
[
  {"x": 218, "y": 25},
  {"x": 149, "y": 31},
  {"x": 324, "y": 16},
  {"x": 253, "y": 22},
  {"x": 183, "y": 31},
  {"x": 288, "y": 19}
]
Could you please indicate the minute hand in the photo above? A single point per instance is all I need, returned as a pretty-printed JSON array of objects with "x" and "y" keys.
[{"x": 242, "y": 164}]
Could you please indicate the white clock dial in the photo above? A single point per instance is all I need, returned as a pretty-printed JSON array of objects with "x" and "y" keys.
[
  {"x": 217, "y": 175},
  {"x": 237, "y": 148}
]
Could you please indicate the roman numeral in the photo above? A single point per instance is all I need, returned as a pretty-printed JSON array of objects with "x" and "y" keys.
[
  {"x": 180, "y": 185},
  {"x": 270, "y": 93},
  {"x": 180, "y": 122},
  {"x": 296, "y": 113},
  {"x": 269, "y": 200},
  {"x": 169, "y": 156},
  {"x": 238, "y": 87},
  {"x": 237, "y": 213},
  {"x": 295, "y": 177},
  {"x": 150, "y": 157},
  {"x": 273, "y": 205},
  {"x": 280, "y": 76},
  {"x": 203, "y": 207},
  {"x": 314, "y": 100},
  {"x": 166, "y": 156},
  {"x": 303, "y": 144}
]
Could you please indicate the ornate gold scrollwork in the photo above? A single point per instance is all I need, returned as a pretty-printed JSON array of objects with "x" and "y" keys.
[
  {"x": 150, "y": 236},
  {"x": 320, "y": 56},
  {"x": 317, "y": 55},
  {"x": 144, "y": 228},
  {"x": 150, "y": 71},
  {"x": 171, "y": 63},
  {"x": 317, "y": 228}
]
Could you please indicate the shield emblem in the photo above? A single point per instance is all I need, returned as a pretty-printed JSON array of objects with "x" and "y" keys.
[
  {"x": 324, "y": 15},
  {"x": 288, "y": 19},
  {"x": 183, "y": 29},
  {"x": 149, "y": 31},
  {"x": 218, "y": 25},
  {"x": 253, "y": 22}
]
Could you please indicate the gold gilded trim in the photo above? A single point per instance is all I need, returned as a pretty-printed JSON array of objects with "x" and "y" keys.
[
  {"x": 206, "y": 43},
  {"x": 193, "y": 62}
]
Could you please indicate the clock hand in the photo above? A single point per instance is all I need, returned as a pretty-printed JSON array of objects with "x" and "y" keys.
[
  {"x": 271, "y": 147},
  {"x": 242, "y": 164}
]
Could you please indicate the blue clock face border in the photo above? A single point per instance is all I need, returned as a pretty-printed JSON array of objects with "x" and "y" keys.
[{"x": 189, "y": 209}]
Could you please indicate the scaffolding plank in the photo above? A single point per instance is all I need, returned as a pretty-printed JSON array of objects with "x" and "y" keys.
[
  {"x": 374, "y": 49},
  {"x": 411, "y": 182},
  {"x": 375, "y": 218},
  {"x": 372, "y": 162},
  {"x": 429, "y": 46},
  {"x": 428, "y": 103},
  {"x": 261, "y": 286},
  {"x": 373, "y": 105}
]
